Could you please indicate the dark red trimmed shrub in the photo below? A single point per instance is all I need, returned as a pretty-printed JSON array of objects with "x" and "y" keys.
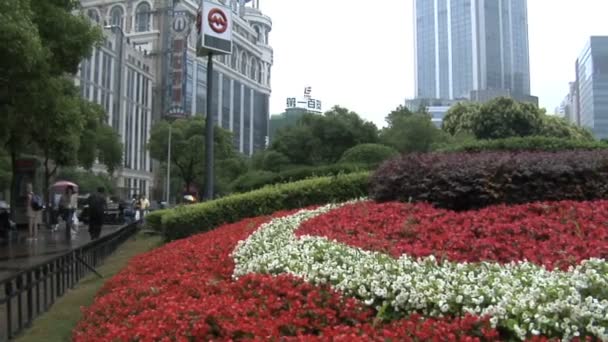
[{"x": 464, "y": 181}]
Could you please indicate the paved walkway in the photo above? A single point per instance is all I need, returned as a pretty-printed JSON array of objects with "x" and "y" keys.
[{"x": 20, "y": 253}]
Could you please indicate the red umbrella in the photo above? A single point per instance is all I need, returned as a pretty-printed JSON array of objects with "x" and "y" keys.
[{"x": 61, "y": 185}]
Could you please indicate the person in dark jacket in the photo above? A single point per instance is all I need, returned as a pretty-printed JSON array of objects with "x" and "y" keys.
[{"x": 97, "y": 208}]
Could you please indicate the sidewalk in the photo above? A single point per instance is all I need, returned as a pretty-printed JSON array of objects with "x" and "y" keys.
[{"x": 20, "y": 254}]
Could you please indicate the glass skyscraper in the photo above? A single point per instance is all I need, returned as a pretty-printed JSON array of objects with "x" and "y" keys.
[
  {"x": 465, "y": 46},
  {"x": 592, "y": 84}
]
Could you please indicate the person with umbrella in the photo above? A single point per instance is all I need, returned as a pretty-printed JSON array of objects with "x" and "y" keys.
[{"x": 67, "y": 206}]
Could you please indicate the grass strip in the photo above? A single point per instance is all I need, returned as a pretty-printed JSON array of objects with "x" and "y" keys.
[{"x": 58, "y": 322}]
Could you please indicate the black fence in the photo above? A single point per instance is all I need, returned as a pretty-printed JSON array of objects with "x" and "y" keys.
[{"x": 31, "y": 292}]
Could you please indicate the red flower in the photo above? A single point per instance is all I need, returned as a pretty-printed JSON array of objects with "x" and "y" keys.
[
  {"x": 557, "y": 234},
  {"x": 184, "y": 291}
]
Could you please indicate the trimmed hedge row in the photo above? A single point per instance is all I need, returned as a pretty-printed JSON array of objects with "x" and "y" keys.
[
  {"x": 186, "y": 221},
  {"x": 462, "y": 181},
  {"x": 526, "y": 144},
  {"x": 258, "y": 179}
]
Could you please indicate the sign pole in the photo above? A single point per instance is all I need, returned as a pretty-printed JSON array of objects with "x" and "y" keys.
[
  {"x": 208, "y": 194},
  {"x": 215, "y": 22}
]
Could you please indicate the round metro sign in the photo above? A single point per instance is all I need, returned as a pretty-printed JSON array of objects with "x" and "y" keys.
[{"x": 217, "y": 20}]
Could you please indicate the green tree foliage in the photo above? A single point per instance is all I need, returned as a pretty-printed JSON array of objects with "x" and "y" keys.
[
  {"x": 557, "y": 127},
  {"x": 410, "y": 132},
  {"x": 368, "y": 154},
  {"x": 505, "y": 117},
  {"x": 58, "y": 136},
  {"x": 269, "y": 160},
  {"x": 87, "y": 181},
  {"x": 109, "y": 148},
  {"x": 322, "y": 139},
  {"x": 98, "y": 141},
  {"x": 42, "y": 43},
  {"x": 459, "y": 118},
  {"x": 188, "y": 146}
]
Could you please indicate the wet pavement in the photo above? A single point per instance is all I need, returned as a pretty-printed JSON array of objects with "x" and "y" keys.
[{"x": 20, "y": 253}]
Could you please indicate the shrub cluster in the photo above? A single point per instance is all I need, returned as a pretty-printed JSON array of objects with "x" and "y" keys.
[
  {"x": 185, "y": 221},
  {"x": 257, "y": 179},
  {"x": 461, "y": 181},
  {"x": 368, "y": 154},
  {"x": 534, "y": 143}
]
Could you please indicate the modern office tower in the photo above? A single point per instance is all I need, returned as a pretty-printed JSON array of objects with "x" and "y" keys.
[
  {"x": 472, "y": 49},
  {"x": 592, "y": 86}
]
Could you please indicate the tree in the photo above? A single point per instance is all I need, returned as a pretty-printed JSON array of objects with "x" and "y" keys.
[
  {"x": 109, "y": 148},
  {"x": 58, "y": 137},
  {"x": 397, "y": 114},
  {"x": 99, "y": 141},
  {"x": 322, "y": 139},
  {"x": 411, "y": 133},
  {"x": 269, "y": 160},
  {"x": 504, "y": 118},
  {"x": 187, "y": 147},
  {"x": 92, "y": 116},
  {"x": 459, "y": 118},
  {"x": 87, "y": 181},
  {"x": 41, "y": 43},
  {"x": 553, "y": 126},
  {"x": 368, "y": 154}
]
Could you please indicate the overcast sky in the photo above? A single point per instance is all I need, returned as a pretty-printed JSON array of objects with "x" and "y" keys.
[{"x": 359, "y": 54}]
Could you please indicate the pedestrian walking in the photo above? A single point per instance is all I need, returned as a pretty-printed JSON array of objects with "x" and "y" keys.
[
  {"x": 97, "y": 208},
  {"x": 67, "y": 205},
  {"x": 33, "y": 207},
  {"x": 144, "y": 205}
]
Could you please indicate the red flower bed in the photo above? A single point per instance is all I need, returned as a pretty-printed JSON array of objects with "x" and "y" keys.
[
  {"x": 184, "y": 292},
  {"x": 556, "y": 234}
]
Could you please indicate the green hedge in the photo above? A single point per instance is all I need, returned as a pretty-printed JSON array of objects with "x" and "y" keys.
[
  {"x": 253, "y": 180},
  {"x": 368, "y": 154},
  {"x": 186, "y": 221},
  {"x": 154, "y": 220},
  {"x": 526, "y": 144}
]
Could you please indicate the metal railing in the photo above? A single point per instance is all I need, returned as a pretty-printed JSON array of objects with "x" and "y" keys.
[{"x": 31, "y": 292}]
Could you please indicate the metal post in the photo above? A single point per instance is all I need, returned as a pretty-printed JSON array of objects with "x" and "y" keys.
[
  {"x": 169, "y": 164},
  {"x": 208, "y": 194}
]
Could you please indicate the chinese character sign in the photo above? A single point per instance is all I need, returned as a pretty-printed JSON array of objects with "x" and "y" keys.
[{"x": 291, "y": 102}]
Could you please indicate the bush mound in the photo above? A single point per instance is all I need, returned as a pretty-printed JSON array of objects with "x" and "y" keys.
[
  {"x": 189, "y": 220},
  {"x": 368, "y": 154},
  {"x": 535, "y": 143},
  {"x": 258, "y": 179},
  {"x": 462, "y": 181}
]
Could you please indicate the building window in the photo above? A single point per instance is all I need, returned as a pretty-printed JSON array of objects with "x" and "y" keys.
[
  {"x": 142, "y": 17},
  {"x": 258, "y": 35},
  {"x": 116, "y": 16},
  {"x": 259, "y": 74},
  {"x": 244, "y": 63},
  {"x": 92, "y": 13},
  {"x": 234, "y": 62},
  {"x": 253, "y": 69}
]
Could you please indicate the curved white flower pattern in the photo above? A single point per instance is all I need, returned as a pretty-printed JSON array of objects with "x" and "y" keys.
[{"x": 522, "y": 297}]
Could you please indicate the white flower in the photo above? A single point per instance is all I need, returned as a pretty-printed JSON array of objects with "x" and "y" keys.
[{"x": 502, "y": 291}]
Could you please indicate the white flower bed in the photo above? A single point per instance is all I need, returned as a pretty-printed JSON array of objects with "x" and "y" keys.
[{"x": 522, "y": 297}]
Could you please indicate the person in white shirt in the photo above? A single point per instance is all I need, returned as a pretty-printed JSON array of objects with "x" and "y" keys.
[{"x": 67, "y": 205}]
